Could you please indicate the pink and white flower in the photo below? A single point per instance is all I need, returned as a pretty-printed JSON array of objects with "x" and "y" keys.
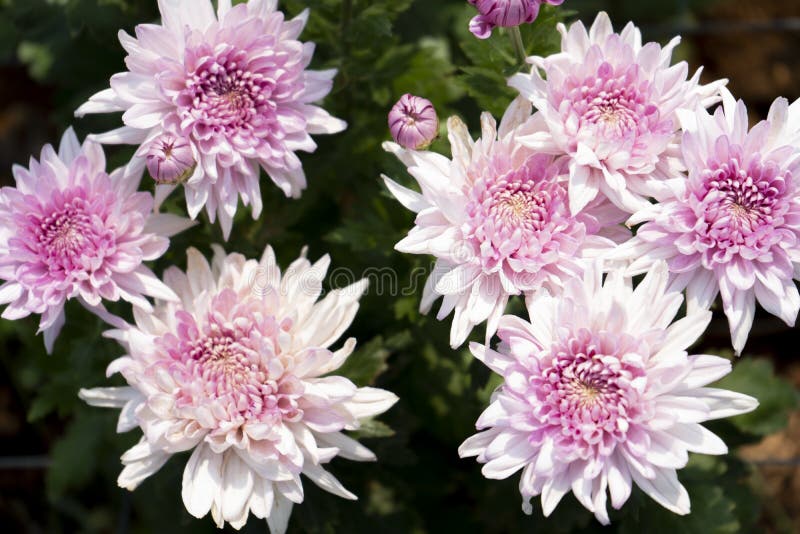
[
  {"x": 600, "y": 394},
  {"x": 611, "y": 104},
  {"x": 235, "y": 85},
  {"x": 496, "y": 217},
  {"x": 734, "y": 227},
  {"x": 70, "y": 231},
  {"x": 504, "y": 13},
  {"x": 239, "y": 372}
]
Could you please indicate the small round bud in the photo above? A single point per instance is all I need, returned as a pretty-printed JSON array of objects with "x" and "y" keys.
[
  {"x": 413, "y": 122},
  {"x": 170, "y": 159}
]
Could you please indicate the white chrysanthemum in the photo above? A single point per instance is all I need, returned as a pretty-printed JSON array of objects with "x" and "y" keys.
[
  {"x": 600, "y": 393},
  {"x": 610, "y": 103},
  {"x": 239, "y": 373},
  {"x": 230, "y": 87},
  {"x": 496, "y": 218}
]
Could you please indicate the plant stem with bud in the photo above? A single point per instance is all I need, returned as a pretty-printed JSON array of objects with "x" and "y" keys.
[{"x": 519, "y": 46}]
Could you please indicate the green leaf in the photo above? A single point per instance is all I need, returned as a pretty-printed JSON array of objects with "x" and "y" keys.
[
  {"x": 368, "y": 362},
  {"x": 74, "y": 456},
  {"x": 712, "y": 513},
  {"x": 776, "y": 397},
  {"x": 37, "y": 57},
  {"x": 371, "y": 428}
]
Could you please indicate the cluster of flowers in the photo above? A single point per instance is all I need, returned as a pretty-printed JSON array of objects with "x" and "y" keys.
[
  {"x": 233, "y": 361},
  {"x": 599, "y": 392}
]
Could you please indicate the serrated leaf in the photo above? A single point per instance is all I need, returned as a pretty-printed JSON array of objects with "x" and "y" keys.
[
  {"x": 712, "y": 513},
  {"x": 371, "y": 428},
  {"x": 369, "y": 361},
  {"x": 776, "y": 397},
  {"x": 74, "y": 456}
]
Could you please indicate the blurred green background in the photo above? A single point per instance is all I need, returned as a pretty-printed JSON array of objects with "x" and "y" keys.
[{"x": 59, "y": 459}]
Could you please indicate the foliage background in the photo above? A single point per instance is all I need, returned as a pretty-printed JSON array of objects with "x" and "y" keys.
[{"x": 59, "y": 459}]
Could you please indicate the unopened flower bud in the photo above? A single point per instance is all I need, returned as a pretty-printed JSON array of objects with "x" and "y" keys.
[
  {"x": 170, "y": 159},
  {"x": 504, "y": 13},
  {"x": 413, "y": 122}
]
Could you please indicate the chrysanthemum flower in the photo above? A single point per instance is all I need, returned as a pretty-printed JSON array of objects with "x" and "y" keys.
[
  {"x": 734, "y": 228},
  {"x": 610, "y": 104},
  {"x": 504, "y": 13},
  {"x": 233, "y": 84},
  {"x": 497, "y": 220},
  {"x": 239, "y": 372},
  {"x": 69, "y": 231},
  {"x": 599, "y": 394}
]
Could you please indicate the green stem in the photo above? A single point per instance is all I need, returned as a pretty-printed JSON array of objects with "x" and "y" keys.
[
  {"x": 519, "y": 46},
  {"x": 347, "y": 15}
]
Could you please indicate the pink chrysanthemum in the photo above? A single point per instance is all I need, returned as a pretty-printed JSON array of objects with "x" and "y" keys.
[
  {"x": 235, "y": 86},
  {"x": 610, "y": 104},
  {"x": 239, "y": 371},
  {"x": 734, "y": 228},
  {"x": 69, "y": 231},
  {"x": 496, "y": 219},
  {"x": 600, "y": 394}
]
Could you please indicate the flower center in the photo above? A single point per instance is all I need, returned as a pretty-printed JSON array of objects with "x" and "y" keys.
[
  {"x": 611, "y": 104},
  {"x": 229, "y": 369},
  {"x": 68, "y": 235},
  {"x": 612, "y": 112},
  {"x": 520, "y": 205},
  {"x": 61, "y": 233},
  {"x": 587, "y": 394},
  {"x": 520, "y": 216},
  {"x": 227, "y": 364},
  {"x": 223, "y": 95},
  {"x": 739, "y": 201}
]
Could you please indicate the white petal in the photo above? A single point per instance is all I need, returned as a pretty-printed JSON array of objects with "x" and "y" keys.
[
  {"x": 685, "y": 332},
  {"x": 701, "y": 291},
  {"x": 108, "y": 397},
  {"x": 697, "y": 438},
  {"x": 494, "y": 360},
  {"x": 278, "y": 519},
  {"x": 69, "y": 148},
  {"x": 705, "y": 370},
  {"x": 52, "y": 331},
  {"x": 408, "y": 198},
  {"x": 237, "y": 486},
  {"x": 106, "y": 101},
  {"x": 199, "y": 272},
  {"x": 331, "y": 316},
  {"x": 202, "y": 479},
  {"x": 327, "y": 481},
  {"x": 124, "y": 135},
  {"x": 665, "y": 489},
  {"x": 348, "y": 447},
  {"x": 141, "y": 461},
  {"x": 583, "y": 188},
  {"x": 619, "y": 482},
  {"x": 553, "y": 491},
  {"x": 723, "y": 403},
  {"x": 476, "y": 445},
  {"x": 368, "y": 402},
  {"x": 127, "y": 416},
  {"x": 167, "y": 224}
]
